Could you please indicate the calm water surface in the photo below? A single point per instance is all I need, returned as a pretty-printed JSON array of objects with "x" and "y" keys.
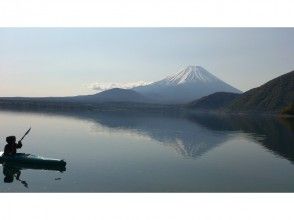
[{"x": 116, "y": 152}]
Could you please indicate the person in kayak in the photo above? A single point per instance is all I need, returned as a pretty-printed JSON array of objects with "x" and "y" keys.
[{"x": 11, "y": 146}]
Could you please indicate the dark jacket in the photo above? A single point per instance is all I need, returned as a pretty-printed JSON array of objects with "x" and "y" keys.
[{"x": 10, "y": 149}]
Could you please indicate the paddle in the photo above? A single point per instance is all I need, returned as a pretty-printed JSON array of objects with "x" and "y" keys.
[
  {"x": 22, "y": 181},
  {"x": 28, "y": 131}
]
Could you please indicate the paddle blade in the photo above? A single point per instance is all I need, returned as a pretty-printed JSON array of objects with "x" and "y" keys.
[{"x": 28, "y": 131}]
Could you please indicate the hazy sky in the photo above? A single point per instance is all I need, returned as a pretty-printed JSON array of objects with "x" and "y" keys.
[{"x": 52, "y": 61}]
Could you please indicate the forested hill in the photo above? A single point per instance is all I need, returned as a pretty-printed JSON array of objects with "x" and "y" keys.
[{"x": 273, "y": 96}]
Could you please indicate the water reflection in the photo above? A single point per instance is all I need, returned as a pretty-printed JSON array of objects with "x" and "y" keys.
[
  {"x": 275, "y": 134},
  {"x": 195, "y": 135},
  {"x": 10, "y": 172},
  {"x": 108, "y": 153},
  {"x": 186, "y": 137}
]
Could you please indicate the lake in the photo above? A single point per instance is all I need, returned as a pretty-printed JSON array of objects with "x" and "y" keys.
[{"x": 140, "y": 152}]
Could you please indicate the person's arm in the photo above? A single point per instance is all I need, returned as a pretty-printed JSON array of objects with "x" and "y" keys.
[
  {"x": 19, "y": 144},
  {"x": 6, "y": 150},
  {"x": 18, "y": 174}
]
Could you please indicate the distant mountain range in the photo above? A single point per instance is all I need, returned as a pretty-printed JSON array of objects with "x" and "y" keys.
[
  {"x": 193, "y": 88},
  {"x": 113, "y": 95},
  {"x": 185, "y": 86}
]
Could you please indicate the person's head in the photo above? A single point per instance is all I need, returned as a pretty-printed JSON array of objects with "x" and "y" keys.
[
  {"x": 8, "y": 179},
  {"x": 11, "y": 139}
]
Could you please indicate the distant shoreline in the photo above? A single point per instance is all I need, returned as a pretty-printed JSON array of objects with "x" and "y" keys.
[{"x": 126, "y": 107}]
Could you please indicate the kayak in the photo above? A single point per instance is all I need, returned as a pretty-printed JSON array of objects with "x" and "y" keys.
[{"x": 30, "y": 161}]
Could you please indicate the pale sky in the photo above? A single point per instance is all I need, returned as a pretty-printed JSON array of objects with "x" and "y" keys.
[{"x": 66, "y": 61}]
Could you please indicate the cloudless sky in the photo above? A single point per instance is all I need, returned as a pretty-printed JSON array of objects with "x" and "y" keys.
[{"x": 66, "y": 61}]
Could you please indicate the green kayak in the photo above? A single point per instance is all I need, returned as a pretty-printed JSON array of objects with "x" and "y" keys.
[{"x": 30, "y": 161}]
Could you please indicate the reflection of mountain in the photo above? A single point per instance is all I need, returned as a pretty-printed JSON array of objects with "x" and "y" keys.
[
  {"x": 277, "y": 135},
  {"x": 196, "y": 134},
  {"x": 186, "y": 137}
]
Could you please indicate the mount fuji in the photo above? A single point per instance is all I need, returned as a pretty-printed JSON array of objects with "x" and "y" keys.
[{"x": 185, "y": 86}]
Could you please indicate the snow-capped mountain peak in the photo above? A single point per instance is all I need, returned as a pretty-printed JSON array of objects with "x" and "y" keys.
[
  {"x": 187, "y": 85},
  {"x": 190, "y": 74}
]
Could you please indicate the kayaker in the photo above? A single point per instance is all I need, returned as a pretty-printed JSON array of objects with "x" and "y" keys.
[{"x": 11, "y": 146}]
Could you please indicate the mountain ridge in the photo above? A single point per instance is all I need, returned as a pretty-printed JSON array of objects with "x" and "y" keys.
[
  {"x": 272, "y": 96},
  {"x": 111, "y": 95},
  {"x": 215, "y": 101}
]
